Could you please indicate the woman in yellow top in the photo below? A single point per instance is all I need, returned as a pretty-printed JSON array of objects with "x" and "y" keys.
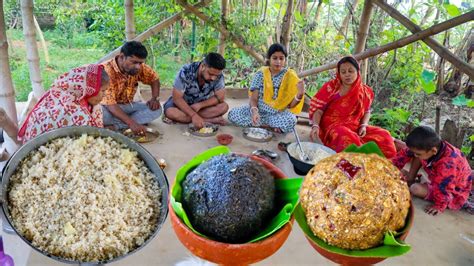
[{"x": 276, "y": 95}]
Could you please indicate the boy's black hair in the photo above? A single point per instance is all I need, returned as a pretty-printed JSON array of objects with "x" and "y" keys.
[
  {"x": 348, "y": 59},
  {"x": 215, "y": 60},
  {"x": 134, "y": 48},
  {"x": 276, "y": 47},
  {"x": 423, "y": 138}
]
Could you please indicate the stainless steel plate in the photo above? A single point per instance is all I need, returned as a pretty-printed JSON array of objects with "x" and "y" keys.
[{"x": 257, "y": 134}]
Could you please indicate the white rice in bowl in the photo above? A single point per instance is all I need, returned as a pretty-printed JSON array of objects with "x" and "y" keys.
[{"x": 84, "y": 199}]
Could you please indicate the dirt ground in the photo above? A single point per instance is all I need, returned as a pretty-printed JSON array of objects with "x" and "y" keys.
[{"x": 447, "y": 239}]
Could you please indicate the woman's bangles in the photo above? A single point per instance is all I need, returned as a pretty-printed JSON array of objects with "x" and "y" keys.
[{"x": 253, "y": 108}]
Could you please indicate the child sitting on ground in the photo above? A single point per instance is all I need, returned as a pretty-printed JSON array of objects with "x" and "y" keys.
[{"x": 449, "y": 173}]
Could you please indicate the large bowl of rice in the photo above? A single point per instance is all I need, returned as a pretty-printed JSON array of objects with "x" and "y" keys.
[{"x": 84, "y": 195}]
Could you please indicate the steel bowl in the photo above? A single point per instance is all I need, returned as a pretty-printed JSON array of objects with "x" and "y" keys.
[{"x": 32, "y": 145}]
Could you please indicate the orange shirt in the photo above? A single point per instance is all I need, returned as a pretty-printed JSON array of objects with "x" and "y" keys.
[{"x": 123, "y": 87}]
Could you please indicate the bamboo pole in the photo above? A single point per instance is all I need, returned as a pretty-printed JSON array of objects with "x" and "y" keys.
[
  {"x": 432, "y": 43},
  {"x": 362, "y": 34},
  {"x": 7, "y": 93},
  {"x": 42, "y": 41},
  {"x": 224, "y": 13},
  {"x": 31, "y": 47},
  {"x": 155, "y": 29},
  {"x": 235, "y": 39},
  {"x": 129, "y": 20},
  {"x": 435, "y": 29}
]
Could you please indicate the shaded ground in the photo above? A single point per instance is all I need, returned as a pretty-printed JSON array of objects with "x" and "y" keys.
[{"x": 442, "y": 240}]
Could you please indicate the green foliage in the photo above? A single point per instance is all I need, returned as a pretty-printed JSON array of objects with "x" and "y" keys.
[
  {"x": 427, "y": 83},
  {"x": 394, "y": 120},
  {"x": 461, "y": 100},
  {"x": 452, "y": 10}
]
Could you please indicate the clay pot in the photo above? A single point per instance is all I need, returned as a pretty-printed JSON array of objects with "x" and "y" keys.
[
  {"x": 224, "y": 139},
  {"x": 232, "y": 254},
  {"x": 348, "y": 260}
]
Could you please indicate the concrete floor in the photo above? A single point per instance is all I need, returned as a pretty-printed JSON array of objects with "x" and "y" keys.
[{"x": 447, "y": 239}]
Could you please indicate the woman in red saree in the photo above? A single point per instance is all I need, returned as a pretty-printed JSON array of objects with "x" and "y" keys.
[
  {"x": 340, "y": 112},
  {"x": 71, "y": 101}
]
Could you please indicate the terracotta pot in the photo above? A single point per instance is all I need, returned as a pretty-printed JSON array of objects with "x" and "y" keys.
[
  {"x": 349, "y": 260},
  {"x": 224, "y": 139},
  {"x": 232, "y": 254}
]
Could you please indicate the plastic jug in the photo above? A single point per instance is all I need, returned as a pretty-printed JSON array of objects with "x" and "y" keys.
[{"x": 5, "y": 259}]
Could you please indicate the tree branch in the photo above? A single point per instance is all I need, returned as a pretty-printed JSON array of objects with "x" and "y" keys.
[{"x": 222, "y": 29}]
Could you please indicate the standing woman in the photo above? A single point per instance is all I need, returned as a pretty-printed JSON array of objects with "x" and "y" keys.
[
  {"x": 340, "y": 112},
  {"x": 71, "y": 101},
  {"x": 276, "y": 94}
]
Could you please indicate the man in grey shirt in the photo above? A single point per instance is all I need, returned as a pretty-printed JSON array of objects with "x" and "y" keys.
[{"x": 198, "y": 93}]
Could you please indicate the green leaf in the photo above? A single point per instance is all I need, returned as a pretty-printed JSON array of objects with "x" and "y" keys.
[
  {"x": 471, "y": 138},
  {"x": 428, "y": 87},
  {"x": 427, "y": 75},
  {"x": 460, "y": 100},
  {"x": 452, "y": 10},
  {"x": 470, "y": 103}
]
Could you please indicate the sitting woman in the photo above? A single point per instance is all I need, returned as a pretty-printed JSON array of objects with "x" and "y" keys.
[
  {"x": 276, "y": 94},
  {"x": 340, "y": 112},
  {"x": 71, "y": 101}
]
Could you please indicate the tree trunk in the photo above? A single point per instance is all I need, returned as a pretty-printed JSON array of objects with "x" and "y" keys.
[
  {"x": 302, "y": 7},
  {"x": 286, "y": 26},
  {"x": 156, "y": 29},
  {"x": 432, "y": 43},
  {"x": 318, "y": 11},
  {"x": 362, "y": 34},
  {"x": 345, "y": 23},
  {"x": 399, "y": 43},
  {"x": 129, "y": 20},
  {"x": 452, "y": 134},
  {"x": 224, "y": 12},
  {"x": 7, "y": 93},
  {"x": 31, "y": 47},
  {"x": 236, "y": 39},
  {"x": 42, "y": 41}
]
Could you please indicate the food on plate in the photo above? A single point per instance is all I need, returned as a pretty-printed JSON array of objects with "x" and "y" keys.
[
  {"x": 229, "y": 197},
  {"x": 352, "y": 199},
  {"x": 84, "y": 198}
]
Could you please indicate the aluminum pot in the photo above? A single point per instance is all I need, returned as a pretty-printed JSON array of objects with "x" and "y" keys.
[
  {"x": 149, "y": 160},
  {"x": 301, "y": 167}
]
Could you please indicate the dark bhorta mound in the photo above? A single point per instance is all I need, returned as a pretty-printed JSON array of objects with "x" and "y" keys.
[{"x": 229, "y": 197}]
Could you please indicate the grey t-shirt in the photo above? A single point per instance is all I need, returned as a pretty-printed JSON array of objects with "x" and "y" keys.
[{"x": 186, "y": 81}]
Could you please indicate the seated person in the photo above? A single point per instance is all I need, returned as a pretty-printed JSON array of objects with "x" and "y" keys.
[
  {"x": 72, "y": 101},
  {"x": 198, "y": 93},
  {"x": 276, "y": 94},
  {"x": 340, "y": 112},
  {"x": 125, "y": 71},
  {"x": 449, "y": 174}
]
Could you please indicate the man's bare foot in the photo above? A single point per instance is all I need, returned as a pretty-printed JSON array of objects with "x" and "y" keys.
[{"x": 217, "y": 120}]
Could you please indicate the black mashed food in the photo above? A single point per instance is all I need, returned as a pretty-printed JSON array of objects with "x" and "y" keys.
[{"x": 229, "y": 198}]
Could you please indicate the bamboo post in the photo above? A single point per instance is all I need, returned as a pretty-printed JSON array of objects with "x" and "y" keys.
[
  {"x": 31, "y": 47},
  {"x": 362, "y": 34},
  {"x": 7, "y": 93},
  {"x": 224, "y": 13},
  {"x": 435, "y": 29},
  {"x": 129, "y": 20}
]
